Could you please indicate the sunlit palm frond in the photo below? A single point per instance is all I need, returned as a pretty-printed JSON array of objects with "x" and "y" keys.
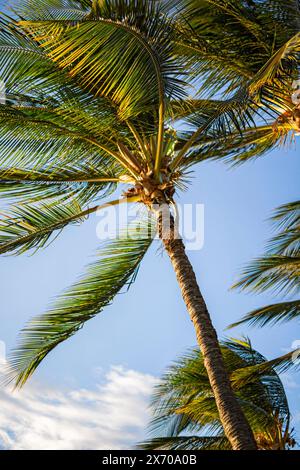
[
  {"x": 28, "y": 141},
  {"x": 80, "y": 181},
  {"x": 132, "y": 60},
  {"x": 228, "y": 42},
  {"x": 278, "y": 270},
  {"x": 116, "y": 264},
  {"x": 238, "y": 147}
]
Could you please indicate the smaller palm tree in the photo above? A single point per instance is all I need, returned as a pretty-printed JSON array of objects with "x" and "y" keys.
[{"x": 185, "y": 412}]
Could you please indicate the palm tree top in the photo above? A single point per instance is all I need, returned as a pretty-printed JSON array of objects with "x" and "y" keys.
[{"x": 95, "y": 93}]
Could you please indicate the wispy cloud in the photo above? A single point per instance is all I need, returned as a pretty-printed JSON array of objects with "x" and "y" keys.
[{"x": 111, "y": 416}]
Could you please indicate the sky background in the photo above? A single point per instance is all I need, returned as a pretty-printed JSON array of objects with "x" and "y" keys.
[{"x": 93, "y": 390}]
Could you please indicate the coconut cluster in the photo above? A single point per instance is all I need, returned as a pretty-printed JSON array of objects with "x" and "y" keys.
[{"x": 153, "y": 190}]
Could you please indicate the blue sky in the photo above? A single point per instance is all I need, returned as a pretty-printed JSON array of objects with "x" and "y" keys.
[
  {"x": 146, "y": 328},
  {"x": 137, "y": 337}
]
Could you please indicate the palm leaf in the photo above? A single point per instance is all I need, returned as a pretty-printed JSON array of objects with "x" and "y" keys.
[
  {"x": 131, "y": 62},
  {"x": 186, "y": 443},
  {"x": 238, "y": 147},
  {"x": 271, "y": 314},
  {"x": 243, "y": 377},
  {"x": 80, "y": 181},
  {"x": 31, "y": 226},
  {"x": 288, "y": 215},
  {"x": 277, "y": 272},
  {"x": 115, "y": 267},
  {"x": 185, "y": 415}
]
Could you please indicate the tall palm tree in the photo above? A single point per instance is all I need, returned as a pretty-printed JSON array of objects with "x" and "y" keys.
[
  {"x": 279, "y": 271},
  {"x": 91, "y": 88},
  {"x": 185, "y": 416}
]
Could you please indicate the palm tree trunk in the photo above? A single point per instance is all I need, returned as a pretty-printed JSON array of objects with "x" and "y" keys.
[{"x": 232, "y": 417}]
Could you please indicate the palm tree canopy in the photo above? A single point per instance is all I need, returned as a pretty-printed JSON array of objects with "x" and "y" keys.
[
  {"x": 185, "y": 416},
  {"x": 92, "y": 91}
]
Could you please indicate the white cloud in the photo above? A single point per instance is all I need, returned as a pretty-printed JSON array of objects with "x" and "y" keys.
[{"x": 112, "y": 416}]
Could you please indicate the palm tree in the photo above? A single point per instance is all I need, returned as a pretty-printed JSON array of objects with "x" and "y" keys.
[
  {"x": 91, "y": 89},
  {"x": 185, "y": 416},
  {"x": 279, "y": 271}
]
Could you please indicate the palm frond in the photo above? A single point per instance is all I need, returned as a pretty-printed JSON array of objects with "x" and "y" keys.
[
  {"x": 277, "y": 272},
  {"x": 237, "y": 147},
  {"x": 186, "y": 443},
  {"x": 243, "y": 377},
  {"x": 132, "y": 60},
  {"x": 228, "y": 43},
  {"x": 285, "y": 243},
  {"x": 116, "y": 265},
  {"x": 81, "y": 181},
  {"x": 279, "y": 67},
  {"x": 27, "y": 141},
  {"x": 31, "y": 226},
  {"x": 287, "y": 216},
  {"x": 271, "y": 314},
  {"x": 185, "y": 415}
]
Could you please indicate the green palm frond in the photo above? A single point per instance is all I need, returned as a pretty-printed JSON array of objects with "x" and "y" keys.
[
  {"x": 217, "y": 116},
  {"x": 287, "y": 216},
  {"x": 28, "y": 192},
  {"x": 277, "y": 272},
  {"x": 51, "y": 9},
  {"x": 248, "y": 58},
  {"x": 186, "y": 443},
  {"x": 184, "y": 410},
  {"x": 30, "y": 142},
  {"x": 286, "y": 242},
  {"x": 220, "y": 120},
  {"x": 115, "y": 267},
  {"x": 281, "y": 364},
  {"x": 271, "y": 314},
  {"x": 32, "y": 225},
  {"x": 238, "y": 147},
  {"x": 228, "y": 43},
  {"x": 132, "y": 60},
  {"x": 280, "y": 67},
  {"x": 28, "y": 72}
]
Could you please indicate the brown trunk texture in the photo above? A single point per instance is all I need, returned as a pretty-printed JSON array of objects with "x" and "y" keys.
[{"x": 232, "y": 417}]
